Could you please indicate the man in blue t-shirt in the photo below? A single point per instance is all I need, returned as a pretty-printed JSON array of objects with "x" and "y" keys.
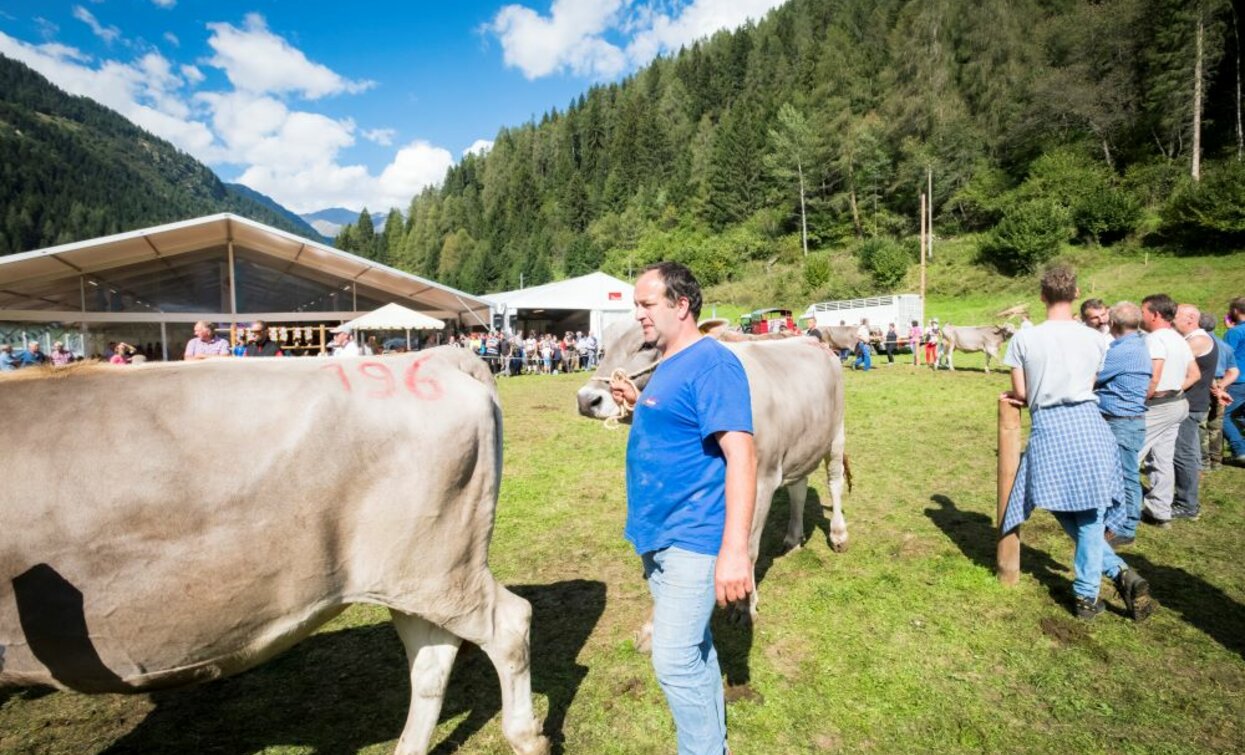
[
  {"x": 691, "y": 491},
  {"x": 1234, "y": 415}
]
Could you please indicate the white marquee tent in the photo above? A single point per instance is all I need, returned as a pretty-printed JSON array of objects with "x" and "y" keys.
[{"x": 588, "y": 303}]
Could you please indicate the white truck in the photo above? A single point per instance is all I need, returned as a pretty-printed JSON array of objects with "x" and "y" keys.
[{"x": 881, "y": 311}]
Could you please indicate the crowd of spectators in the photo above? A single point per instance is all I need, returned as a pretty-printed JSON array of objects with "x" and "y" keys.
[
  {"x": 1155, "y": 382},
  {"x": 533, "y": 353}
]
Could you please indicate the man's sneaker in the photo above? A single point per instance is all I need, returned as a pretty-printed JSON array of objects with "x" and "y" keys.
[
  {"x": 1134, "y": 590},
  {"x": 1191, "y": 516},
  {"x": 1151, "y": 519},
  {"x": 1121, "y": 541},
  {"x": 1087, "y": 608}
]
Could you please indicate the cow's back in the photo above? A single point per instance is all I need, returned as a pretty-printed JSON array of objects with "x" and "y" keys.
[
  {"x": 797, "y": 403},
  {"x": 178, "y": 522}
]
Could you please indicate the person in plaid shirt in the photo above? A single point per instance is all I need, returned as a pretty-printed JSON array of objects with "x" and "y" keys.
[{"x": 1070, "y": 467}]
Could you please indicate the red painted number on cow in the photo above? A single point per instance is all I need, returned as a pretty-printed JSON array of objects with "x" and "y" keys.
[
  {"x": 386, "y": 385},
  {"x": 423, "y": 387}
]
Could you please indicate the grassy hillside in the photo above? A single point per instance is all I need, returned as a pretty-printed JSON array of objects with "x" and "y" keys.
[{"x": 961, "y": 291}]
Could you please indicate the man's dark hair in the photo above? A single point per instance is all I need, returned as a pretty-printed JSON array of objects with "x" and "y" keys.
[
  {"x": 1089, "y": 304},
  {"x": 680, "y": 284},
  {"x": 1058, "y": 284},
  {"x": 1236, "y": 308},
  {"x": 1207, "y": 322},
  {"x": 1162, "y": 305}
]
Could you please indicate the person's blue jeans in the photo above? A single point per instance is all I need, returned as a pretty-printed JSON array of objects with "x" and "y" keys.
[
  {"x": 1094, "y": 556},
  {"x": 1235, "y": 413},
  {"x": 864, "y": 358},
  {"x": 1130, "y": 435},
  {"x": 681, "y": 583}
]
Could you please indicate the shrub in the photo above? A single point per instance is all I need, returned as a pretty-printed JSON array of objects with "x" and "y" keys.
[
  {"x": 1211, "y": 212},
  {"x": 1100, "y": 208},
  {"x": 1028, "y": 235},
  {"x": 816, "y": 271},
  {"x": 886, "y": 260}
]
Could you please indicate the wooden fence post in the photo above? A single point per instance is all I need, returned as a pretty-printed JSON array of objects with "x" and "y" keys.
[{"x": 1008, "y": 556}]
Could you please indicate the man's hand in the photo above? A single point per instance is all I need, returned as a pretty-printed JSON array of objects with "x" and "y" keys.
[
  {"x": 1011, "y": 398},
  {"x": 732, "y": 578},
  {"x": 623, "y": 391}
]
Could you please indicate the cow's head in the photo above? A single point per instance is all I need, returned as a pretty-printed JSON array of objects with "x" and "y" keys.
[
  {"x": 624, "y": 349},
  {"x": 1006, "y": 330}
]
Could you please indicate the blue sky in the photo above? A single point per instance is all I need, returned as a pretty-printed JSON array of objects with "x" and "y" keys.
[{"x": 323, "y": 104}]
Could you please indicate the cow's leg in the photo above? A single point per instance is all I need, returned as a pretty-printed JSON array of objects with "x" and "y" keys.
[
  {"x": 501, "y": 627},
  {"x": 990, "y": 354},
  {"x": 430, "y": 652},
  {"x": 797, "y": 494},
  {"x": 834, "y": 479},
  {"x": 951, "y": 357},
  {"x": 766, "y": 485},
  {"x": 644, "y": 636}
]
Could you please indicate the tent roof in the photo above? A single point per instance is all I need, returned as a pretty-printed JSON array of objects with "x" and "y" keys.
[
  {"x": 172, "y": 239},
  {"x": 392, "y": 317},
  {"x": 592, "y": 291}
]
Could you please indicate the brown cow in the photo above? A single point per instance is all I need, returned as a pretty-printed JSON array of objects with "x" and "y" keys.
[
  {"x": 236, "y": 534},
  {"x": 987, "y": 338}
]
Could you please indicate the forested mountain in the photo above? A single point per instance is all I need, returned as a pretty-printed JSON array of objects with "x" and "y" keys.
[
  {"x": 294, "y": 220},
  {"x": 1041, "y": 121},
  {"x": 71, "y": 169}
]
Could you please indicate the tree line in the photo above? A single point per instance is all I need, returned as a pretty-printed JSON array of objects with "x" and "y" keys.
[{"x": 1041, "y": 121}]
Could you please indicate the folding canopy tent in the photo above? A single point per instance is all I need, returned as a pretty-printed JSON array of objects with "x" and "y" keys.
[{"x": 394, "y": 317}]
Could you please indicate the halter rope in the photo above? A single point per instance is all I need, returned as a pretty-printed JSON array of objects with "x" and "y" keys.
[{"x": 620, "y": 375}]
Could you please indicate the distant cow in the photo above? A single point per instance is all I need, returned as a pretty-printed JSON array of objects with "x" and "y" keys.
[
  {"x": 987, "y": 338},
  {"x": 839, "y": 337},
  {"x": 206, "y": 540},
  {"x": 797, "y": 414}
]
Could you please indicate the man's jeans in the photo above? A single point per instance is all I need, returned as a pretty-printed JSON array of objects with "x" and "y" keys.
[
  {"x": 1187, "y": 463},
  {"x": 681, "y": 583},
  {"x": 1162, "y": 427},
  {"x": 1130, "y": 435},
  {"x": 1234, "y": 417},
  {"x": 1094, "y": 556}
]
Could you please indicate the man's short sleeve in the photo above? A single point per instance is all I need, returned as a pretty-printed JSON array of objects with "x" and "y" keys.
[
  {"x": 723, "y": 401},
  {"x": 1015, "y": 352},
  {"x": 1156, "y": 347}
]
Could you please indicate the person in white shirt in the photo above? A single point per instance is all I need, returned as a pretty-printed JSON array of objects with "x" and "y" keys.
[
  {"x": 1174, "y": 370},
  {"x": 344, "y": 344},
  {"x": 1094, "y": 315}
]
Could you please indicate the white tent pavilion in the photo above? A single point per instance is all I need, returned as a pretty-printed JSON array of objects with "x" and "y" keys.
[
  {"x": 393, "y": 317},
  {"x": 588, "y": 303}
]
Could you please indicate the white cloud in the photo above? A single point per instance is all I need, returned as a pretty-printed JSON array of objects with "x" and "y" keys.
[
  {"x": 573, "y": 37},
  {"x": 107, "y": 33},
  {"x": 256, "y": 60},
  {"x": 287, "y": 152},
  {"x": 165, "y": 3},
  {"x": 666, "y": 33},
  {"x": 381, "y": 136},
  {"x": 47, "y": 29},
  {"x": 478, "y": 147},
  {"x": 172, "y": 39},
  {"x": 569, "y": 38}
]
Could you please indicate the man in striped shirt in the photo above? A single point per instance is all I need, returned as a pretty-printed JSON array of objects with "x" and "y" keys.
[{"x": 1121, "y": 389}]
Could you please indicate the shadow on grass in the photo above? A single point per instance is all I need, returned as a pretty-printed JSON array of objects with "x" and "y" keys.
[
  {"x": 341, "y": 691},
  {"x": 734, "y": 641},
  {"x": 975, "y": 535},
  {"x": 1197, "y": 601}
]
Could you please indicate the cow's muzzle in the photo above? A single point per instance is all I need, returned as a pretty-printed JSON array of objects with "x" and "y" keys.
[{"x": 596, "y": 402}]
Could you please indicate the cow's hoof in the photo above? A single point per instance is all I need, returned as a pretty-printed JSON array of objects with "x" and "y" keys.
[
  {"x": 788, "y": 546},
  {"x": 644, "y": 642},
  {"x": 539, "y": 746}
]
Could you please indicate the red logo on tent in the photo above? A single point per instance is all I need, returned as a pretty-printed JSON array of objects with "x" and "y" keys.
[{"x": 615, "y": 295}]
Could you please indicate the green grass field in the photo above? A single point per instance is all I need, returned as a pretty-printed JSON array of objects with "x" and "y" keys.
[{"x": 906, "y": 643}]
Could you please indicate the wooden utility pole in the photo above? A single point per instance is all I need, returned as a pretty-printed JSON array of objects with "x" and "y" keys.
[
  {"x": 929, "y": 193},
  {"x": 923, "y": 217},
  {"x": 1007, "y": 559}
]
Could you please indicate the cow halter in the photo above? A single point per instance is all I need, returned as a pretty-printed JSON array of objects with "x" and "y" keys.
[{"x": 620, "y": 375}]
